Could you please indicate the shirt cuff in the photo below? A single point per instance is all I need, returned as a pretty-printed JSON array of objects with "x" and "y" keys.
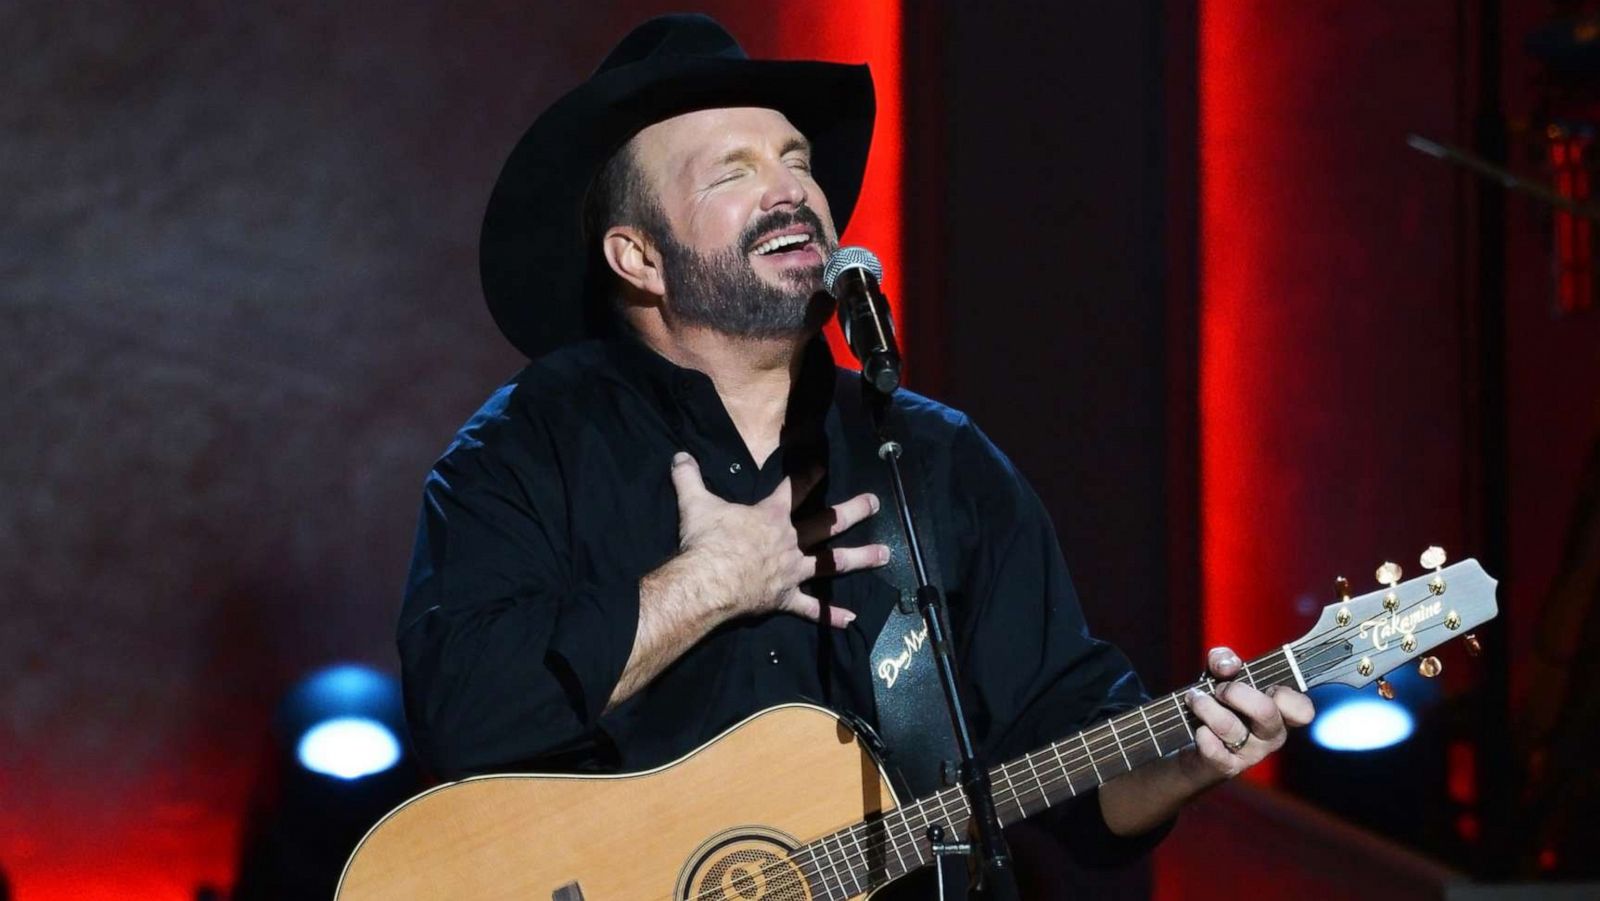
[{"x": 591, "y": 642}]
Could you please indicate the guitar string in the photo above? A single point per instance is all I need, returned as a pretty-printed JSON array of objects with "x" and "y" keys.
[
  {"x": 1021, "y": 795},
  {"x": 1270, "y": 668},
  {"x": 1028, "y": 791},
  {"x": 843, "y": 864}
]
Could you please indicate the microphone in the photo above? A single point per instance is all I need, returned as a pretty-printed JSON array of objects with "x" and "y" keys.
[{"x": 851, "y": 276}]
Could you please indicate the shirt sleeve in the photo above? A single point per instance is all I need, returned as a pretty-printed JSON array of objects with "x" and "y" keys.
[
  {"x": 1037, "y": 675},
  {"x": 505, "y": 657}
]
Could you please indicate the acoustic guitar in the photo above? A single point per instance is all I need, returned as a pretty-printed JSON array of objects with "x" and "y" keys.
[{"x": 791, "y": 805}]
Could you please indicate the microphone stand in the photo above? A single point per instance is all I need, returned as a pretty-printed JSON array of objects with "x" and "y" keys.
[{"x": 996, "y": 876}]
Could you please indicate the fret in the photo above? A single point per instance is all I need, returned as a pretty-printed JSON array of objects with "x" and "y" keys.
[
  {"x": 1112, "y": 723},
  {"x": 849, "y": 869},
  {"x": 823, "y": 874},
  {"x": 1148, "y": 728},
  {"x": 911, "y": 836},
  {"x": 889, "y": 836},
  {"x": 1183, "y": 715},
  {"x": 1037, "y": 782},
  {"x": 1061, "y": 765},
  {"x": 1084, "y": 737},
  {"x": 844, "y": 867},
  {"x": 1002, "y": 789},
  {"x": 1244, "y": 669}
]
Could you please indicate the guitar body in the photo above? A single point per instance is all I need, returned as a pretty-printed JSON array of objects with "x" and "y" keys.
[{"x": 702, "y": 827}]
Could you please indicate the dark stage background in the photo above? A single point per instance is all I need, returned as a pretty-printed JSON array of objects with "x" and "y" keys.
[{"x": 1175, "y": 259}]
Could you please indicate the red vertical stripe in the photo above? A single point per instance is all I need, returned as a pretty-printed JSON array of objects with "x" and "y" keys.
[
  {"x": 1236, "y": 236},
  {"x": 868, "y": 32}
]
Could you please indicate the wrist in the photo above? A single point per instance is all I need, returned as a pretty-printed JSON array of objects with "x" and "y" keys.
[{"x": 709, "y": 585}]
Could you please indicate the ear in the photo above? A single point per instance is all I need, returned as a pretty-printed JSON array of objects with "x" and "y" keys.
[{"x": 634, "y": 259}]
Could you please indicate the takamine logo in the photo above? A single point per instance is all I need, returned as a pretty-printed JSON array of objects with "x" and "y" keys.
[{"x": 1387, "y": 628}]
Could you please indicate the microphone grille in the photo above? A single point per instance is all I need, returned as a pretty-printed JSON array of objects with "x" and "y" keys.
[{"x": 850, "y": 258}]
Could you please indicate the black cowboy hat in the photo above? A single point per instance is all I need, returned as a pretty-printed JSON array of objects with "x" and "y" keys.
[{"x": 543, "y": 284}]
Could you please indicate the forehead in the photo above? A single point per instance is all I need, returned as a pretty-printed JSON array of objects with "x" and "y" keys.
[{"x": 681, "y": 144}]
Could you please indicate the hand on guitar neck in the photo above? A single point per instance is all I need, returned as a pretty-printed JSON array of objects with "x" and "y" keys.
[
  {"x": 737, "y": 560},
  {"x": 1239, "y": 728}
]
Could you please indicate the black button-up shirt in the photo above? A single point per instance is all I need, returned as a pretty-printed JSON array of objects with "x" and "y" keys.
[{"x": 555, "y": 499}]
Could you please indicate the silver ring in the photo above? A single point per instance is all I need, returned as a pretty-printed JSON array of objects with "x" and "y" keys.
[{"x": 1234, "y": 747}]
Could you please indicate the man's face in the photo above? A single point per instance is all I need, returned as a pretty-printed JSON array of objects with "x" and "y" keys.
[{"x": 749, "y": 227}]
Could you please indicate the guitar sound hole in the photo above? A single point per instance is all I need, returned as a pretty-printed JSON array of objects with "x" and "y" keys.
[{"x": 744, "y": 873}]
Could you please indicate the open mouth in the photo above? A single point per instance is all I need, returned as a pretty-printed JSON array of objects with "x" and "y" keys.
[{"x": 792, "y": 245}]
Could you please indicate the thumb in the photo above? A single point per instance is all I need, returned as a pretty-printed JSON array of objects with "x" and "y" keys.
[{"x": 686, "y": 479}]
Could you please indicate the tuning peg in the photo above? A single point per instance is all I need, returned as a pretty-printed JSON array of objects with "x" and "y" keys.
[
  {"x": 1433, "y": 558},
  {"x": 1474, "y": 647},
  {"x": 1385, "y": 689},
  {"x": 1430, "y": 667},
  {"x": 1342, "y": 586},
  {"x": 1389, "y": 574}
]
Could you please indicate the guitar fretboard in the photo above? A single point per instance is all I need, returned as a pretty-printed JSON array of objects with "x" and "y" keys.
[{"x": 852, "y": 861}]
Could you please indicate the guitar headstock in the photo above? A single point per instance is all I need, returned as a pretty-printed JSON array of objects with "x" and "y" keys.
[{"x": 1359, "y": 639}]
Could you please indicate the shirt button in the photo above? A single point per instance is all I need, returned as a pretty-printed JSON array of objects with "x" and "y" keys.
[
  {"x": 772, "y": 657},
  {"x": 734, "y": 468}
]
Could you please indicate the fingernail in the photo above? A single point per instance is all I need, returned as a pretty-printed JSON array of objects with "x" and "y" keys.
[
  {"x": 679, "y": 458},
  {"x": 1232, "y": 660},
  {"x": 849, "y": 617},
  {"x": 1191, "y": 696},
  {"x": 872, "y": 501},
  {"x": 883, "y": 555}
]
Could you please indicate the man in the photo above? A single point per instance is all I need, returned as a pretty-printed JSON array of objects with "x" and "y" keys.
[{"x": 644, "y": 538}]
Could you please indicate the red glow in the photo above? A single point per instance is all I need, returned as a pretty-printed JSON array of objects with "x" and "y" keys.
[
  {"x": 862, "y": 32},
  {"x": 89, "y": 848},
  {"x": 1462, "y": 773},
  {"x": 1574, "y": 242},
  {"x": 1237, "y": 234}
]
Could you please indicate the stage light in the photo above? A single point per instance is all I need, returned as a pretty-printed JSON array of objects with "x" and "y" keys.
[
  {"x": 344, "y": 721},
  {"x": 338, "y": 764},
  {"x": 348, "y": 747},
  {"x": 1362, "y": 724}
]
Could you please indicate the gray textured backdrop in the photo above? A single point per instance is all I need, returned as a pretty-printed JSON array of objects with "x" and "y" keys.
[{"x": 240, "y": 316}]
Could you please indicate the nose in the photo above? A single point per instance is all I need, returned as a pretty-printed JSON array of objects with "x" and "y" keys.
[{"x": 783, "y": 187}]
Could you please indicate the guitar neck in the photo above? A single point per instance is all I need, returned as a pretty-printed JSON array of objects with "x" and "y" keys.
[
  {"x": 854, "y": 860},
  {"x": 1060, "y": 771}
]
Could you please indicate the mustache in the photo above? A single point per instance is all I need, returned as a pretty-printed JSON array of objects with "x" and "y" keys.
[{"x": 782, "y": 219}]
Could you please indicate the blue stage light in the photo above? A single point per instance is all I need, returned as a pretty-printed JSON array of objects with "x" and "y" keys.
[
  {"x": 1362, "y": 724},
  {"x": 348, "y": 747},
  {"x": 344, "y": 721}
]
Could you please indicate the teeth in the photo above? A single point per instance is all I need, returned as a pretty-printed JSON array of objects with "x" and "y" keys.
[{"x": 780, "y": 242}]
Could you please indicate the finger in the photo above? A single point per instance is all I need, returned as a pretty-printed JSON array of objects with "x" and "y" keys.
[
  {"x": 686, "y": 480},
  {"x": 1296, "y": 709},
  {"x": 807, "y": 607},
  {"x": 1256, "y": 709},
  {"x": 1222, "y": 722},
  {"x": 1213, "y": 749},
  {"x": 1223, "y": 663},
  {"x": 821, "y": 526},
  {"x": 839, "y": 560}
]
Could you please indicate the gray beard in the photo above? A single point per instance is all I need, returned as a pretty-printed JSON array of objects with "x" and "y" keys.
[{"x": 722, "y": 292}]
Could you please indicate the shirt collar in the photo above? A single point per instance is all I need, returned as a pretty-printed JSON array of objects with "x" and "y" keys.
[{"x": 690, "y": 392}]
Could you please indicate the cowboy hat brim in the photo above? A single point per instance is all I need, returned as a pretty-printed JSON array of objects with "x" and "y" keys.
[{"x": 538, "y": 276}]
